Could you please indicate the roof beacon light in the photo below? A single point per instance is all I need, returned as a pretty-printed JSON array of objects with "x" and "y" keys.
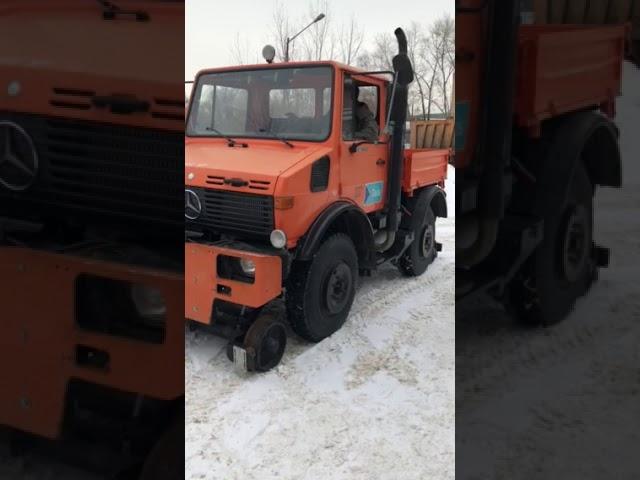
[{"x": 269, "y": 53}]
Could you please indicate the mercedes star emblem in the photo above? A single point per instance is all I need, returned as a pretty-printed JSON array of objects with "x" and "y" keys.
[
  {"x": 18, "y": 157},
  {"x": 192, "y": 205}
]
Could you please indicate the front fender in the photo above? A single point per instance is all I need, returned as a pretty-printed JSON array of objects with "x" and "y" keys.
[{"x": 344, "y": 216}]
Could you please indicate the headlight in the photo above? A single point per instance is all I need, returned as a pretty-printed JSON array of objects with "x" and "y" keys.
[
  {"x": 248, "y": 267},
  {"x": 120, "y": 308},
  {"x": 278, "y": 239},
  {"x": 149, "y": 302}
]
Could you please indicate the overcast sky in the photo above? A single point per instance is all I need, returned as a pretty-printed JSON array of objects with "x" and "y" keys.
[{"x": 212, "y": 25}]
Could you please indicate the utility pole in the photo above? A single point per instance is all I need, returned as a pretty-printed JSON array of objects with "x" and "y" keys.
[{"x": 289, "y": 40}]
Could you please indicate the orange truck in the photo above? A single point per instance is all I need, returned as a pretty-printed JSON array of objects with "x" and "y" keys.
[
  {"x": 534, "y": 138},
  {"x": 91, "y": 268},
  {"x": 286, "y": 198}
]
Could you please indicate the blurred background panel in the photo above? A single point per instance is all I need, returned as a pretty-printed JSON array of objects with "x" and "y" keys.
[
  {"x": 547, "y": 108},
  {"x": 91, "y": 261}
]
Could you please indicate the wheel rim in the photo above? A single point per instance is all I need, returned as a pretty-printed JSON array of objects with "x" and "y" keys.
[
  {"x": 427, "y": 241},
  {"x": 575, "y": 246},
  {"x": 338, "y": 288},
  {"x": 272, "y": 346}
]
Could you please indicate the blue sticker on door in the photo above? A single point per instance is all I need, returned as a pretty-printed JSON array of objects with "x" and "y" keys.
[{"x": 373, "y": 193}]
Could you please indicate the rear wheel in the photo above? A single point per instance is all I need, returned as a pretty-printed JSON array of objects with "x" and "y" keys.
[
  {"x": 422, "y": 252},
  {"x": 562, "y": 268},
  {"x": 320, "y": 293}
]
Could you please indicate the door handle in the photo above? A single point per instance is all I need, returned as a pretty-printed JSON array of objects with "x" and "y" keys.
[{"x": 380, "y": 162}]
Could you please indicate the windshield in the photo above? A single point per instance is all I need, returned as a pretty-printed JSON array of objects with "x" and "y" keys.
[{"x": 290, "y": 103}]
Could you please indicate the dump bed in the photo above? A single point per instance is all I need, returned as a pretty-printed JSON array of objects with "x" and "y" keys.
[
  {"x": 432, "y": 133},
  {"x": 564, "y": 68},
  {"x": 424, "y": 167}
]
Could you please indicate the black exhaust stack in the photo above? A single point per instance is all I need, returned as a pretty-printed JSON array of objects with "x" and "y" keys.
[{"x": 398, "y": 118}]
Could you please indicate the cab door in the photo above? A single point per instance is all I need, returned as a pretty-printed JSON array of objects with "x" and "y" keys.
[{"x": 363, "y": 172}]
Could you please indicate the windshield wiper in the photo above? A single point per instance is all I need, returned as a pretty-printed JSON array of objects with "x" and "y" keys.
[
  {"x": 230, "y": 141},
  {"x": 110, "y": 11},
  {"x": 275, "y": 136}
]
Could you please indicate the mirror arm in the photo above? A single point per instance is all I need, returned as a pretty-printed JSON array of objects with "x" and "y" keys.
[{"x": 353, "y": 148}]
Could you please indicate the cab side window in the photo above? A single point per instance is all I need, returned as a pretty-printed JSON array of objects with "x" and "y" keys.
[
  {"x": 369, "y": 96},
  {"x": 360, "y": 115},
  {"x": 348, "y": 115}
]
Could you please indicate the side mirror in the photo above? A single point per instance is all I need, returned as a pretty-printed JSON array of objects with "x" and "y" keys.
[{"x": 353, "y": 148}]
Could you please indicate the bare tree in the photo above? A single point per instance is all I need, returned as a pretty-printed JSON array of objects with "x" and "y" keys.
[
  {"x": 363, "y": 60},
  {"x": 431, "y": 51},
  {"x": 415, "y": 43},
  {"x": 351, "y": 38},
  {"x": 429, "y": 73},
  {"x": 281, "y": 31},
  {"x": 437, "y": 56},
  {"x": 444, "y": 58},
  {"x": 382, "y": 52},
  {"x": 380, "y": 57},
  {"x": 318, "y": 42},
  {"x": 240, "y": 51}
]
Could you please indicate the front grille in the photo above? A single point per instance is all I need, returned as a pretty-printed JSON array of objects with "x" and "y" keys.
[
  {"x": 99, "y": 171},
  {"x": 241, "y": 214},
  {"x": 252, "y": 184}
]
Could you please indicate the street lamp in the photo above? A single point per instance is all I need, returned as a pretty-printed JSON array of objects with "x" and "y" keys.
[{"x": 289, "y": 40}]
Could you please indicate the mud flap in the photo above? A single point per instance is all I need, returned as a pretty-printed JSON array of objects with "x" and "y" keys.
[
  {"x": 601, "y": 256},
  {"x": 240, "y": 358}
]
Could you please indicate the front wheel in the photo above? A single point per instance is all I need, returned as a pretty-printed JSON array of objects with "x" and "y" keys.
[
  {"x": 265, "y": 343},
  {"x": 320, "y": 293}
]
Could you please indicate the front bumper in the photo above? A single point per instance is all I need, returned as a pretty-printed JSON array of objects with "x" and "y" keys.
[
  {"x": 204, "y": 284},
  {"x": 42, "y": 341}
]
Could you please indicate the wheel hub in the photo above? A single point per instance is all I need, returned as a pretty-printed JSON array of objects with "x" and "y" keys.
[
  {"x": 427, "y": 241},
  {"x": 575, "y": 246},
  {"x": 337, "y": 288}
]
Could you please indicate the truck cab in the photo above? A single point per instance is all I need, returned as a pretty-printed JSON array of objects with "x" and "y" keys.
[{"x": 289, "y": 194}]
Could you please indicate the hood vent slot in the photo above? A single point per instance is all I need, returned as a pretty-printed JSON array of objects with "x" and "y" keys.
[
  {"x": 82, "y": 99},
  {"x": 259, "y": 185},
  {"x": 72, "y": 98},
  {"x": 253, "y": 184},
  {"x": 167, "y": 109},
  {"x": 211, "y": 180}
]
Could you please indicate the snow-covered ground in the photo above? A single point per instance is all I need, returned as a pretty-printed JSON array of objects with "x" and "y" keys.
[
  {"x": 562, "y": 402},
  {"x": 374, "y": 401}
]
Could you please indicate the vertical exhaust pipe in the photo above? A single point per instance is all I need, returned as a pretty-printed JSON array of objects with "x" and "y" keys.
[
  {"x": 494, "y": 149},
  {"x": 398, "y": 118}
]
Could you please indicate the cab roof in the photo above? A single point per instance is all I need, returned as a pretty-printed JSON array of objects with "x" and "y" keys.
[{"x": 269, "y": 66}]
